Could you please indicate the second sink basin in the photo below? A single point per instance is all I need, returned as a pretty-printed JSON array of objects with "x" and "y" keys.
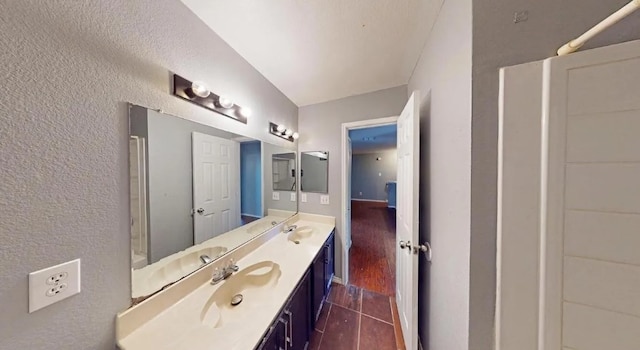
[
  {"x": 300, "y": 234},
  {"x": 253, "y": 283}
]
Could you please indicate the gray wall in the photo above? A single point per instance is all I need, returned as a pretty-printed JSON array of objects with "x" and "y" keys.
[
  {"x": 443, "y": 76},
  {"x": 285, "y": 202},
  {"x": 170, "y": 172},
  {"x": 316, "y": 173},
  {"x": 498, "y": 42},
  {"x": 68, "y": 68},
  {"x": 365, "y": 170},
  {"x": 320, "y": 129}
]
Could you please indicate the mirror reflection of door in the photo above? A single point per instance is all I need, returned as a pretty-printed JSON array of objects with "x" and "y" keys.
[{"x": 216, "y": 186}]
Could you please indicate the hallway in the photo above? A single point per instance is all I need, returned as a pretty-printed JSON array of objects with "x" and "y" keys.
[{"x": 372, "y": 263}]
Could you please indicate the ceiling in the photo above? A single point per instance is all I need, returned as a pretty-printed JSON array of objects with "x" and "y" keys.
[
  {"x": 317, "y": 51},
  {"x": 375, "y": 139}
]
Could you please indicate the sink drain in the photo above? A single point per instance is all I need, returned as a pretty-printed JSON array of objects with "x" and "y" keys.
[
  {"x": 237, "y": 299},
  {"x": 296, "y": 242}
]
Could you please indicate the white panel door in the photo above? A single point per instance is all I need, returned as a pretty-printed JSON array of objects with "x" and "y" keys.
[
  {"x": 590, "y": 224},
  {"x": 407, "y": 219},
  {"x": 216, "y": 186}
]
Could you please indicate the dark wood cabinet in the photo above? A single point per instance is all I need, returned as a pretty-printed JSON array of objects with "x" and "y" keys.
[{"x": 292, "y": 328}]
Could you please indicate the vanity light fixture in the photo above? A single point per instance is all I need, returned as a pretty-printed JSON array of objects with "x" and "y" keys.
[
  {"x": 283, "y": 132},
  {"x": 198, "y": 93}
]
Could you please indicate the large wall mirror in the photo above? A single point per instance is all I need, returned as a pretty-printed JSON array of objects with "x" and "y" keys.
[
  {"x": 197, "y": 193},
  {"x": 314, "y": 172}
]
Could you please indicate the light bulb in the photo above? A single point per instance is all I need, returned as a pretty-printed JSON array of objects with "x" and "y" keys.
[
  {"x": 245, "y": 111},
  {"x": 199, "y": 89},
  {"x": 295, "y": 135},
  {"x": 281, "y": 128},
  {"x": 225, "y": 102},
  {"x": 288, "y": 133}
]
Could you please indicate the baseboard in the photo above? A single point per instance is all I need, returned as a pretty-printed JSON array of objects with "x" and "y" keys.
[
  {"x": 391, "y": 207},
  {"x": 252, "y": 216},
  {"x": 368, "y": 200},
  {"x": 337, "y": 279}
]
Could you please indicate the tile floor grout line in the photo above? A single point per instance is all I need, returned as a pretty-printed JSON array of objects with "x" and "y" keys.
[
  {"x": 325, "y": 327},
  {"x": 378, "y": 319}
]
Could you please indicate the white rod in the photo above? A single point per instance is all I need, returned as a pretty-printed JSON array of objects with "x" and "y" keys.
[{"x": 577, "y": 43}]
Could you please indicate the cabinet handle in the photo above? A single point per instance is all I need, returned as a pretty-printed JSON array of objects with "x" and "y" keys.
[
  {"x": 326, "y": 254},
  {"x": 286, "y": 333},
  {"x": 288, "y": 313}
]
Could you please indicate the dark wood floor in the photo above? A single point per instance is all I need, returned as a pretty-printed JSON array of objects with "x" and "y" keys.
[
  {"x": 372, "y": 257},
  {"x": 357, "y": 319}
]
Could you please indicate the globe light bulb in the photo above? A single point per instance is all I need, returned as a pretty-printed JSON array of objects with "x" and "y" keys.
[
  {"x": 295, "y": 135},
  {"x": 225, "y": 102},
  {"x": 281, "y": 128},
  {"x": 288, "y": 133},
  {"x": 199, "y": 89}
]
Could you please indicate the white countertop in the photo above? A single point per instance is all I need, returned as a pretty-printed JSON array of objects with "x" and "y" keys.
[{"x": 180, "y": 325}]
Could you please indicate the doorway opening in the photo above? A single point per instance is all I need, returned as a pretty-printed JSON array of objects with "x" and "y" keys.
[
  {"x": 370, "y": 169},
  {"x": 372, "y": 254}
]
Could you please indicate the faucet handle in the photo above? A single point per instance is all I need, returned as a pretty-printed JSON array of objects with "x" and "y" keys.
[
  {"x": 231, "y": 265},
  {"x": 217, "y": 274}
]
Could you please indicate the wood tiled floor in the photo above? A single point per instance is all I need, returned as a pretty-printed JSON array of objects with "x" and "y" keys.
[
  {"x": 372, "y": 257},
  {"x": 356, "y": 319}
]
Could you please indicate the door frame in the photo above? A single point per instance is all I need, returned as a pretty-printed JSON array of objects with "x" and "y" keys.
[{"x": 346, "y": 197}]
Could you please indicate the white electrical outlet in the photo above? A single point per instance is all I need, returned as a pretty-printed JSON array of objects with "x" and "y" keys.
[
  {"x": 303, "y": 197},
  {"x": 275, "y": 196},
  {"x": 324, "y": 200},
  {"x": 55, "y": 283},
  {"x": 293, "y": 196}
]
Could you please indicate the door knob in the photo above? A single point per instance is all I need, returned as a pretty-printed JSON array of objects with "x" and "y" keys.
[
  {"x": 404, "y": 244},
  {"x": 425, "y": 248},
  {"x": 200, "y": 211}
]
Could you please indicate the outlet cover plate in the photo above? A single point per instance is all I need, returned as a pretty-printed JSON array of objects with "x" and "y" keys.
[
  {"x": 303, "y": 197},
  {"x": 324, "y": 200},
  {"x": 275, "y": 196},
  {"x": 52, "y": 284},
  {"x": 293, "y": 196}
]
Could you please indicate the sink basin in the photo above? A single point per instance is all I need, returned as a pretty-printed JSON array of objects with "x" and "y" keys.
[
  {"x": 184, "y": 265},
  {"x": 254, "y": 283},
  {"x": 300, "y": 234},
  {"x": 262, "y": 226}
]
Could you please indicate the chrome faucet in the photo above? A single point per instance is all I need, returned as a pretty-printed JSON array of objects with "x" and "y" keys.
[
  {"x": 227, "y": 270},
  {"x": 205, "y": 259},
  {"x": 288, "y": 228}
]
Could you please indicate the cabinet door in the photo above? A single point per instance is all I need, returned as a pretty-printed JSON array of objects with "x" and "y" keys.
[
  {"x": 274, "y": 339},
  {"x": 297, "y": 314},
  {"x": 329, "y": 263},
  {"x": 318, "y": 285}
]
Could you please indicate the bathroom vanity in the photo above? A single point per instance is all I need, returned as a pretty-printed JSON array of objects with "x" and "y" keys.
[{"x": 283, "y": 279}]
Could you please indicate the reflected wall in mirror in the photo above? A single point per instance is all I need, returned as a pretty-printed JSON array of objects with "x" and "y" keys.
[
  {"x": 197, "y": 192},
  {"x": 284, "y": 171},
  {"x": 314, "y": 172}
]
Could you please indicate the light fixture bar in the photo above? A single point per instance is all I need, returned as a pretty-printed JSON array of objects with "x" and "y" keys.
[
  {"x": 198, "y": 94},
  {"x": 282, "y": 132}
]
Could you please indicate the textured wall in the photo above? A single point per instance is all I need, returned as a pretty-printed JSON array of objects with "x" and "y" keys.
[
  {"x": 369, "y": 176},
  {"x": 320, "y": 130},
  {"x": 499, "y": 42},
  {"x": 443, "y": 76},
  {"x": 68, "y": 67}
]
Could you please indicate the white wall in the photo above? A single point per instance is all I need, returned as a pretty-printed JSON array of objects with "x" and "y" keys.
[
  {"x": 68, "y": 69},
  {"x": 320, "y": 130},
  {"x": 443, "y": 76},
  {"x": 499, "y": 42}
]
